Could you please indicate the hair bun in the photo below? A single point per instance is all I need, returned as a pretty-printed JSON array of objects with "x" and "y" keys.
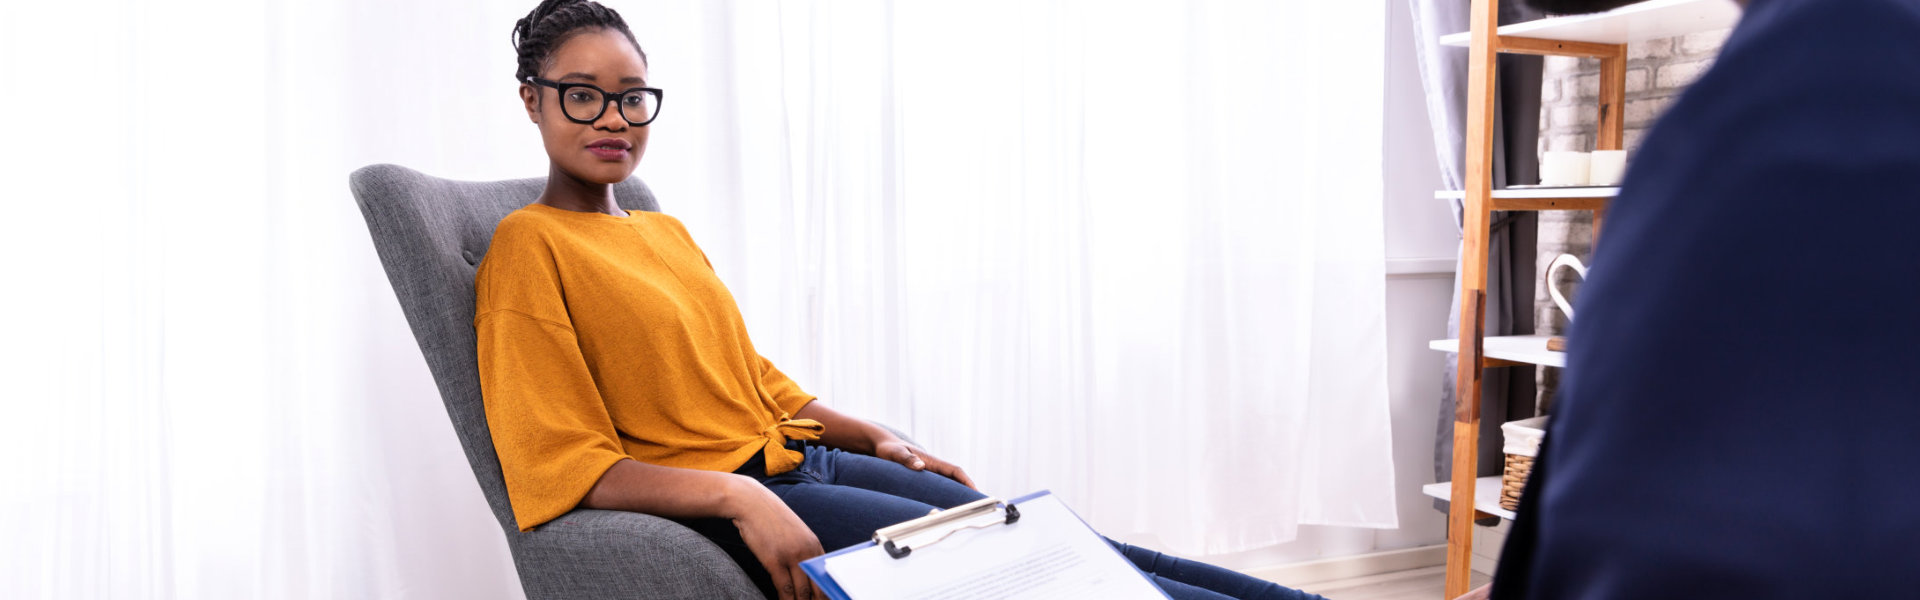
[{"x": 537, "y": 35}]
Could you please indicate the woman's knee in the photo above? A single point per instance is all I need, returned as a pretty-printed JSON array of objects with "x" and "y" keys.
[
  {"x": 841, "y": 516},
  {"x": 888, "y": 477}
]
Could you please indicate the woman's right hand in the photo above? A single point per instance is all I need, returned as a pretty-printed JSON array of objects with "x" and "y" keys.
[{"x": 777, "y": 537}]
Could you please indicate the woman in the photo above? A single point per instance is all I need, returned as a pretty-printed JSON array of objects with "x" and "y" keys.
[{"x": 618, "y": 375}]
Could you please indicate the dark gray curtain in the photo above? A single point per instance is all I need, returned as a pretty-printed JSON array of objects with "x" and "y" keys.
[{"x": 1506, "y": 394}]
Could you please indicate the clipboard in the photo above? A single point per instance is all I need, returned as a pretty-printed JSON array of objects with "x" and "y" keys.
[{"x": 1032, "y": 546}]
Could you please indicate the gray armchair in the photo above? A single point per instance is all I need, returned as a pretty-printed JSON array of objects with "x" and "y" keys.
[{"x": 431, "y": 234}]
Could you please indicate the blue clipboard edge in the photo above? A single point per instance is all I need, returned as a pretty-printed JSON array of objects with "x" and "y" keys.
[{"x": 816, "y": 567}]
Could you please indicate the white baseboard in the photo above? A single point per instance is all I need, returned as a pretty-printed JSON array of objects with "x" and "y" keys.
[{"x": 1347, "y": 567}]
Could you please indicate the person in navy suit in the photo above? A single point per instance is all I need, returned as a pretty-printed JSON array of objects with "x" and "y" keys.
[{"x": 1740, "y": 412}]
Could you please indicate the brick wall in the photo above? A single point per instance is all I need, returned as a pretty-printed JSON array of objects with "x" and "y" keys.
[{"x": 1657, "y": 71}]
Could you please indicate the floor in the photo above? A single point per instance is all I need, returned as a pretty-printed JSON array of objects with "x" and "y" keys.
[{"x": 1418, "y": 584}]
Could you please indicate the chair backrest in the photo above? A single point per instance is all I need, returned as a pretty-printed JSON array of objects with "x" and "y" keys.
[{"x": 431, "y": 234}]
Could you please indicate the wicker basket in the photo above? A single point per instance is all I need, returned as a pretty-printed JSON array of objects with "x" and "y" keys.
[
  {"x": 1522, "y": 444},
  {"x": 1514, "y": 480}
]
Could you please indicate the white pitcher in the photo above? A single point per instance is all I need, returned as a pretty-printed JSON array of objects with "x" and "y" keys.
[{"x": 1559, "y": 299}]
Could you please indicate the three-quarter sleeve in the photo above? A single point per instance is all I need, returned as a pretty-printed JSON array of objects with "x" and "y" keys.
[
  {"x": 785, "y": 393},
  {"x": 550, "y": 426}
]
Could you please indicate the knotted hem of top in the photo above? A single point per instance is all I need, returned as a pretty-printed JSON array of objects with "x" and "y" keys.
[{"x": 779, "y": 458}]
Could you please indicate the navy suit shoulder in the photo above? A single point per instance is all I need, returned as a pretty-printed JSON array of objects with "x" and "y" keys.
[{"x": 1743, "y": 383}]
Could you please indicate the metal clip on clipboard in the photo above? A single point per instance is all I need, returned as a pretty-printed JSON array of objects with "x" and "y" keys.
[{"x": 900, "y": 540}]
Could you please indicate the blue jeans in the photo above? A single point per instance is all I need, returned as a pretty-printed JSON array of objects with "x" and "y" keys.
[{"x": 843, "y": 497}]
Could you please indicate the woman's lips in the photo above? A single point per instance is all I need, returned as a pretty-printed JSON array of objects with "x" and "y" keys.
[
  {"x": 608, "y": 153},
  {"x": 609, "y": 148}
]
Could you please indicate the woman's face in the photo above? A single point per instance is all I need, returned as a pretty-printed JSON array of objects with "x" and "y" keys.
[{"x": 606, "y": 150}]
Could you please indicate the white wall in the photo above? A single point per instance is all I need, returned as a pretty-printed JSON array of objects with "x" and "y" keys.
[{"x": 1422, "y": 246}]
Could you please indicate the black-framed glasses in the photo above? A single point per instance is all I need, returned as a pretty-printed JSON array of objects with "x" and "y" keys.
[{"x": 585, "y": 103}]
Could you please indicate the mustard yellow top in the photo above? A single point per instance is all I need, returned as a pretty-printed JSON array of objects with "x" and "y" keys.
[{"x": 603, "y": 338}]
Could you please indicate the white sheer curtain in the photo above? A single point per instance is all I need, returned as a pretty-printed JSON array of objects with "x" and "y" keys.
[
  {"x": 208, "y": 388},
  {"x": 1126, "y": 251}
]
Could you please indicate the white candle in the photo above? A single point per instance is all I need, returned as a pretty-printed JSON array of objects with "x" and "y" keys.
[
  {"x": 1559, "y": 167},
  {"x": 1606, "y": 167}
]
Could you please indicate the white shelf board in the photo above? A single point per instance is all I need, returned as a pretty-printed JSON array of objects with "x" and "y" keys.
[
  {"x": 1549, "y": 192},
  {"x": 1650, "y": 20},
  {"x": 1486, "y": 495},
  {"x": 1530, "y": 349}
]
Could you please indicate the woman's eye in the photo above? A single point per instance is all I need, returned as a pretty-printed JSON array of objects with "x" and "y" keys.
[
  {"x": 579, "y": 97},
  {"x": 635, "y": 100}
]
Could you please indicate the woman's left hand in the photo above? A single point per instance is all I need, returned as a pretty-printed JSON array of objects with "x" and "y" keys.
[{"x": 918, "y": 460}]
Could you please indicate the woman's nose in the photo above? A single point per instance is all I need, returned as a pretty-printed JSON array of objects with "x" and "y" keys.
[{"x": 611, "y": 119}]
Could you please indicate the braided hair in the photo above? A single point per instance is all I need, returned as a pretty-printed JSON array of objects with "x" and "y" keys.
[{"x": 552, "y": 23}]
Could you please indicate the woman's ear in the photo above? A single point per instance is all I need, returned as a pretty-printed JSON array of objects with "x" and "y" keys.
[{"x": 530, "y": 96}]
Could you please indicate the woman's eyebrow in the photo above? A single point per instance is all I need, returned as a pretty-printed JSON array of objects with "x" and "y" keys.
[{"x": 591, "y": 77}]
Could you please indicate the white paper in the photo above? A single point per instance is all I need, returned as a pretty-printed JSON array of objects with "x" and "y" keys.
[{"x": 1049, "y": 553}]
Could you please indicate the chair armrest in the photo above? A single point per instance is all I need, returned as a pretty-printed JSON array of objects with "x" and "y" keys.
[{"x": 591, "y": 553}]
